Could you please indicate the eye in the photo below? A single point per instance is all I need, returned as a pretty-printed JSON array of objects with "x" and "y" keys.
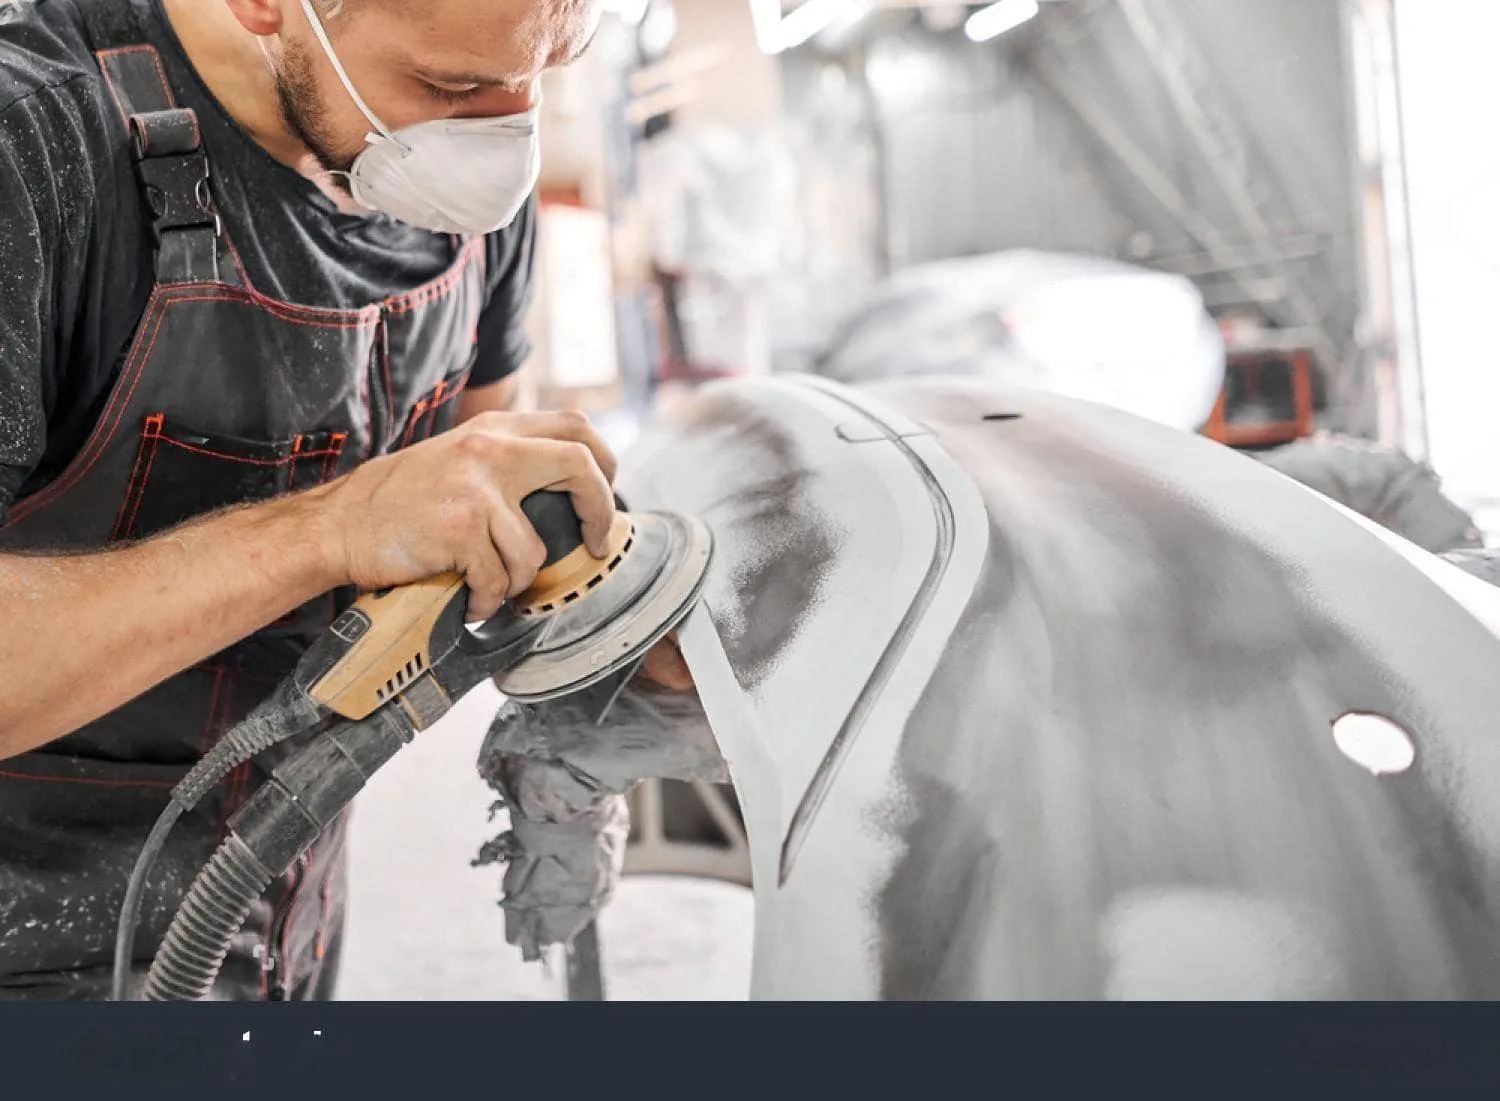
[{"x": 448, "y": 93}]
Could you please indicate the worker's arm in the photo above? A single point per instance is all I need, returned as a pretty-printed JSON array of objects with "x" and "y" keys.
[
  {"x": 86, "y": 633},
  {"x": 497, "y": 397},
  {"x": 82, "y": 634}
]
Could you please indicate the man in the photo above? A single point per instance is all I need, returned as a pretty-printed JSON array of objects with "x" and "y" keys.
[{"x": 260, "y": 256}]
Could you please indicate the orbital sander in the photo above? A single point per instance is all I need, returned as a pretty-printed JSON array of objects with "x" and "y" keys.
[
  {"x": 581, "y": 620},
  {"x": 393, "y": 664}
]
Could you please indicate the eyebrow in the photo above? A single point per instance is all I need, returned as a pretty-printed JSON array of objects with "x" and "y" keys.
[{"x": 487, "y": 80}]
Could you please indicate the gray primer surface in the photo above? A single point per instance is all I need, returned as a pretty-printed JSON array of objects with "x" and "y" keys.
[
  {"x": 758, "y": 500},
  {"x": 1116, "y": 777},
  {"x": 1121, "y": 782}
]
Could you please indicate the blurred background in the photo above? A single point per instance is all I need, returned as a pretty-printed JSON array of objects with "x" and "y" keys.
[
  {"x": 1281, "y": 203},
  {"x": 1267, "y": 221}
]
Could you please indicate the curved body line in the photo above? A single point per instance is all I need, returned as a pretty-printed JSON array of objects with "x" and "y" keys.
[{"x": 942, "y": 552}]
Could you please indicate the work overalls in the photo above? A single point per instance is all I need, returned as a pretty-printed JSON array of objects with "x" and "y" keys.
[{"x": 224, "y": 396}]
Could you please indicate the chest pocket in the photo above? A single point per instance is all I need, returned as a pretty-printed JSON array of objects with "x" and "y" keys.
[
  {"x": 180, "y": 473},
  {"x": 436, "y": 411}
]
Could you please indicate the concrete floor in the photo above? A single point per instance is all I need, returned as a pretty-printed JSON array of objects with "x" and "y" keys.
[{"x": 424, "y": 925}]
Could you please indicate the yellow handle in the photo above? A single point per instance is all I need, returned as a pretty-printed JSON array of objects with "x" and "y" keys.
[{"x": 393, "y": 652}]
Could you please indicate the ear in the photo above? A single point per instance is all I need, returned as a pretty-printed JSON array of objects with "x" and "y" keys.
[{"x": 259, "y": 17}]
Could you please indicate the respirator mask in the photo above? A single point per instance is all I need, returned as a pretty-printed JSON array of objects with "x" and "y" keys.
[{"x": 464, "y": 176}]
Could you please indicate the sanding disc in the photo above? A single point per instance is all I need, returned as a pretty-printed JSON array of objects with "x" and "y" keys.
[{"x": 635, "y": 606}]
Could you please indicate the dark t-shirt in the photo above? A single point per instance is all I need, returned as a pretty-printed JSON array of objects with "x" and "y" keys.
[{"x": 75, "y": 243}]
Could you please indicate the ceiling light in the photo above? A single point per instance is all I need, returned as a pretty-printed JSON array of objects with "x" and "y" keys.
[
  {"x": 807, "y": 20},
  {"x": 999, "y": 18}
]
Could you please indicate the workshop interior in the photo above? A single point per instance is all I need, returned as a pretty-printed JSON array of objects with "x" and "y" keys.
[{"x": 1055, "y": 547}]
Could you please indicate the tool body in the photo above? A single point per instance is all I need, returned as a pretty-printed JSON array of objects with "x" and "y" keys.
[
  {"x": 392, "y": 665},
  {"x": 586, "y": 615}
]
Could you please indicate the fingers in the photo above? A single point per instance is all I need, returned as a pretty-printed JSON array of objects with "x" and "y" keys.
[
  {"x": 573, "y": 428},
  {"x": 664, "y": 665},
  {"x": 489, "y": 583},
  {"x": 571, "y": 468},
  {"x": 519, "y": 546}
]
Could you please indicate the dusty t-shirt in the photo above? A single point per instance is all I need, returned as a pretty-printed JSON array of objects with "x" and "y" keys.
[{"x": 76, "y": 246}]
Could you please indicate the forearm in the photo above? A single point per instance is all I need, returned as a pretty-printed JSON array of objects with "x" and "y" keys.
[
  {"x": 82, "y": 634},
  {"x": 496, "y": 397}
]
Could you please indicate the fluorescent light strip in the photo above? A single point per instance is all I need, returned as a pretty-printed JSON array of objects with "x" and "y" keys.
[
  {"x": 800, "y": 24},
  {"x": 999, "y": 18},
  {"x": 766, "y": 15}
]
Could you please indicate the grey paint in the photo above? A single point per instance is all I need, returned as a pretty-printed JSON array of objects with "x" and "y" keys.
[
  {"x": 1184, "y": 751},
  {"x": 562, "y": 776},
  {"x": 1103, "y": 765}
]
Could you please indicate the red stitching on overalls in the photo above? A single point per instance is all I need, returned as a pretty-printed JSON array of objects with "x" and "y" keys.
[
  {"x": 416, "y": 418},
  {"x": 291, "y": 473},
  {"x": 397, "y": 304},
  {"x": 336, "y": 449},
  {"x": 239, "y": 265},
  {"x": 130, "y": 484},
  {"x": 97, "y": 442},
  {"x": 364, "y": 316},
  {"x": 283, "y": 461},
  {"x": 161, "y": 74},
  {"x": 326, "y": 453},
  {"x": 282, "y": 311},
  {"x": 140, "y": 356},
  {"x": 154, "y": 319},
  {"x": 153, "y": 433},
  {"x": 88, "y": 780},
  {"x": 404, "y": 303},
  {"x": 444, "y": 399},
  {"x": 109, "y": 79},
  {"x": 153, "y": 426},
  {"x": 458, "y": 388},
  {"x": 428, "y": 406}
]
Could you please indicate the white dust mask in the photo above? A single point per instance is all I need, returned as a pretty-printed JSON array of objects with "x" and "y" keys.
[{"x": 465, "y": 176}]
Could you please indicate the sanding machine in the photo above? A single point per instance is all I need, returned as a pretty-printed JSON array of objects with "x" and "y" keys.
[{"x": 392, "y": 665}]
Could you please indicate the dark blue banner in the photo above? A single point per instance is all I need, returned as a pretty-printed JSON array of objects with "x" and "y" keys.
[{"x": 569, "y": 1051}]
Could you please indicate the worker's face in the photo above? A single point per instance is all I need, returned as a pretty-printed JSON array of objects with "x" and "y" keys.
[{"x": 414, "y": 61}]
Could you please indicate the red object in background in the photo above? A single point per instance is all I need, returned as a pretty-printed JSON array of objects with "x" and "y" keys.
[
  {"x": 560, "y": 195},
  {"x": 1267, "y": 399}
]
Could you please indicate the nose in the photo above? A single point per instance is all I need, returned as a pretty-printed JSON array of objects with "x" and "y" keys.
[{"x": 500, "y": 101}]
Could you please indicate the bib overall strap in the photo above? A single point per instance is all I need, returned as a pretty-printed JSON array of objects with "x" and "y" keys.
[{"x": 165, "y": 145}]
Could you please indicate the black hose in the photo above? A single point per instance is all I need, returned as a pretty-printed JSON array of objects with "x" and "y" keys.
[
  {"x": 286, "y": 713},
  {"x": 211, "y": 914},
  {"x": 286, "y": 815}
]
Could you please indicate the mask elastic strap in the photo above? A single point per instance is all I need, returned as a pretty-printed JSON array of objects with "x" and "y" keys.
[
  {"x": 333, "y": 59},
  {"x": 265, "y": 53}
]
